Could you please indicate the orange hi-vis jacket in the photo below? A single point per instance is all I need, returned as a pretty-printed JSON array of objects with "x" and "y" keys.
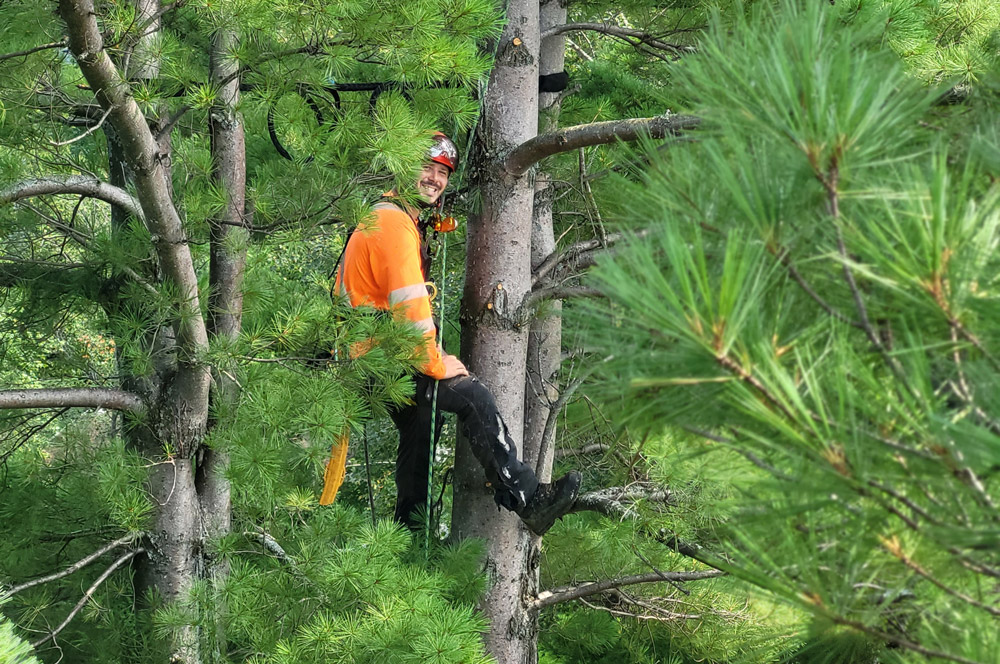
[{"x": 382, "y": 268}]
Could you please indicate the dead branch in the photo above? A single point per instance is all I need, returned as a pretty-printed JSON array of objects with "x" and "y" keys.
[
  {"x": 87, "y": 595},
  {"x": 34, "y": 49},
  {"x": 570, "y": 255},
  {"x": 75, "y": 567},
  {"x": 592, "y": 448},
  {"x": 567, "y": 593},
  {"x": 647, "y": 38},
  {"x": 614, "y": 502}
]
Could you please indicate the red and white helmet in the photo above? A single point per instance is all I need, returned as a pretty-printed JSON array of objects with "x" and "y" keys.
[{"x": 443, "y": 151}]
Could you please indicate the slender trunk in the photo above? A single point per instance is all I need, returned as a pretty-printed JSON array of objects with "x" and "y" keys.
[
  {"x": 498, "y": 277},
  {"x": 228, "y": 259},
  {"x": 228, "y": 240},
  {"x": 545, "y": 336}
]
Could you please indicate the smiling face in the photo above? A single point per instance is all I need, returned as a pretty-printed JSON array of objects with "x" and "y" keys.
[{"x": 432, "y": 181}]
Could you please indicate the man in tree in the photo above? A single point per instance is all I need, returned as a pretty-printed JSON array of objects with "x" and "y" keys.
[{"x": 386, "y": 265}]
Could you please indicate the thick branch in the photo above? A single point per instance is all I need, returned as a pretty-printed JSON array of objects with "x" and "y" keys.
[
  {"x": 534, "y": 150},
  {"x": 151, "y": 179},
  {"x": 71, "y": 397},
  {"x": 80, "y": 185},
  {"x": 75, "y": 567},
  {"x": 567, "y": 593}
]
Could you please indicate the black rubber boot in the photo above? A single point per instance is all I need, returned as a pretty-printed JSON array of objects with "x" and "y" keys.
[{"x": 550, "y": 502}]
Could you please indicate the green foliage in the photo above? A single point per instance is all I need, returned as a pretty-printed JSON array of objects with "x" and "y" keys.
[
  {"x": 13, "y": 650},
  {"x": 944, "y": 40},
  {"x": 83, "y": 302},
  {"x": 343, "y": 590},
  {"x": 817, "y": 298}
]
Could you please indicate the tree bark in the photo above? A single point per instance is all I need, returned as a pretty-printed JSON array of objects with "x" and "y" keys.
[
  {"x": 498, "y": 274},
  {"x": 545, "y": 336},
  {"x": 71, "y": 397},
  {"x": 228, "y": 240}
]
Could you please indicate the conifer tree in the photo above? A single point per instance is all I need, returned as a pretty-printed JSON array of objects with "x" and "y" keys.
[{"x": 156, "y": 283}]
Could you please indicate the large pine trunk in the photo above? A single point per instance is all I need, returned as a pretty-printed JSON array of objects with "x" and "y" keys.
[{"x": 494, "y": 343}]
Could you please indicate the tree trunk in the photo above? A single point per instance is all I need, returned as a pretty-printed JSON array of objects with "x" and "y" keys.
[
  {"x": 545, "y": 336},
  {"x": 498, "y": 277},
  {"x": 177, "y": 396},
  {"x": 228, "y": 259},
  {"x": 228, "y": 241}
]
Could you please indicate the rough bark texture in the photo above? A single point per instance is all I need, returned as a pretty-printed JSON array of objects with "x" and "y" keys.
[{"x": 498, "y": 277}]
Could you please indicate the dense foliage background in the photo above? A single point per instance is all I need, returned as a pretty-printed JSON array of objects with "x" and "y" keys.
[{"x": 788, "y": 373}]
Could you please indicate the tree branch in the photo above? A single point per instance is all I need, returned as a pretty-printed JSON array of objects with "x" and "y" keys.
[
  {"x": 87, "y": 595},
  {"x": 524, "y": 156},
  {"x": 72, "y": 397},
  {"x": 620, "y": 32},
  {"x": 574, "y": 251},
  {"x": 611, "y": 501},
  {"x": 591, "y": 448},
  {"x": 151, "y": 181},
  {"x": 535, "y": 297},
  {"x": 75, "y": 567},
  {"x": 567, "y": 593},
  {"x": 36, "y": 49},
  {"x": 80, "y": 185}
]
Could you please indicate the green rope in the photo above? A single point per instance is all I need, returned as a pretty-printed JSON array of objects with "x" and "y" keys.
[{"x": 433, "y": 436}]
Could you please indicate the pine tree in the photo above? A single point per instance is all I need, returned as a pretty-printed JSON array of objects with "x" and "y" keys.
[{"x": 190, "y": 251}]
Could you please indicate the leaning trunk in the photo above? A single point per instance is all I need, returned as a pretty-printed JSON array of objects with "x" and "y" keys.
[
  {"x": 177, "y": 395},
  {"x": 498, "y": 276}
]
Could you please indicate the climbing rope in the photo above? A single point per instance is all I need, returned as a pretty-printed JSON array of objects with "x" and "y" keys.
[{"x": 434, "y": 400}]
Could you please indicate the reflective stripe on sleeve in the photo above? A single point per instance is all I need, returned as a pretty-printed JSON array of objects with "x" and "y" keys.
[
  {"x": 425, "y": 325},
  {"x": 407, "y": 293}
]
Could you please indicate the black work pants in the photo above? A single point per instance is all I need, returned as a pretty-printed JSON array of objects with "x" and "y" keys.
[{"x": 513, "y": 482}]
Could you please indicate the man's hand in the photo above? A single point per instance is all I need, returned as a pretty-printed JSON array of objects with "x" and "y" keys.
[{"x": 453, "y": 367}]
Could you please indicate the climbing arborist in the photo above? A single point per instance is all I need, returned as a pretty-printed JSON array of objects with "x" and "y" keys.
[{"x": 386, "y": 265}]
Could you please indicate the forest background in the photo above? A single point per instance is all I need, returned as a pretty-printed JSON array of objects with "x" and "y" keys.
[{"x": 738, "y": 264}]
